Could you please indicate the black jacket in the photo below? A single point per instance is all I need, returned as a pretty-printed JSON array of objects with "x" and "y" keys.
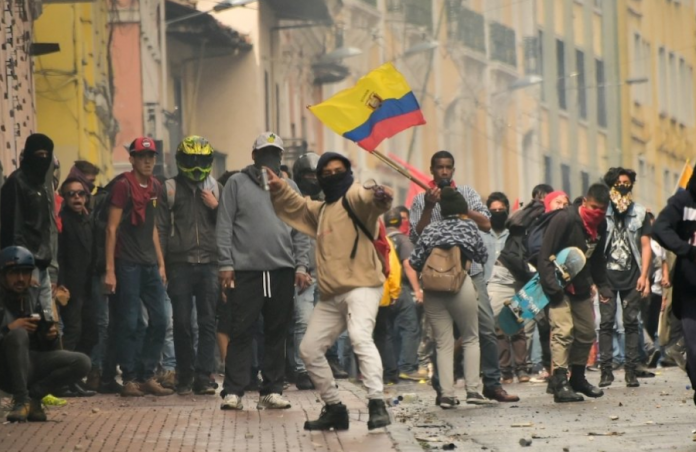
[
  {"x": 566, "y": 229},
  {"x": 75, "y": 253},
  {"x": 13, "y": 307},
  {"x": 26, "y": 211},
  {"x": 514, "y": 255},
  {"x": 675, "y": 230},
  {"x": 187, "y": 229}
]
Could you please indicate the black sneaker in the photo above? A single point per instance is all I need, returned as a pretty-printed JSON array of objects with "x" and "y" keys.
[
  {"x": 631, "y": 379},
  {"x": 109, "y": 387},
  {"x": 607, "y": 378},
  {"x": 379, "y": 417},
  {"x": 332, "y": 417},
  {"x": 203, "y": 386},
  {"x": 303, "y": 382},
  {"x": 475, "y": 398},
  {"x": 448, "y": 402},
  {"x": 184, "y": 389},
  {"x": 644, "y": 373}
]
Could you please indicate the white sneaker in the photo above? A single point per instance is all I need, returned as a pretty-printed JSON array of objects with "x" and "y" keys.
[
  {"x": 232, "y": 402},
  {"x": 273, "y": 402}
]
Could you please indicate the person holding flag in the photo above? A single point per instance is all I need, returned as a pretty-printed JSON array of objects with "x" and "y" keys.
[{"x": 426, "y": 210}]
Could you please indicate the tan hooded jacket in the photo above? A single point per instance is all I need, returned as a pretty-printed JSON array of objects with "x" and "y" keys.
[{"x": 335, "y": 233}]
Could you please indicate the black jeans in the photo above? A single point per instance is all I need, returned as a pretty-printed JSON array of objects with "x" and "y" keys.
[
  {"x": 630, "y": 300},
  {"x": 80, "y": 328},
  {"x": 187, "y": 281},
  {"x": 384, "y": 342},
  {"x": 269, "y": 293},
  {"x": 28, "y": 373}
]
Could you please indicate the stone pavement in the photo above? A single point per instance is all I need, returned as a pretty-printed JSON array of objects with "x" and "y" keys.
[
  {"x": 193, "y": 423},
  {"x": 658, "y": 416}
]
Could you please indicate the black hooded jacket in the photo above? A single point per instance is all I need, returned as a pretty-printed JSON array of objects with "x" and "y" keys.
[
  {"x": 26, "y": 204},
  {"x": 514, "y": 255},
  {"x": 566, "y": 229},
  {"x": 675, "y": 230}
]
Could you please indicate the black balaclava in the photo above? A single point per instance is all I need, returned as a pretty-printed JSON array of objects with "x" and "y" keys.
[
  {"x": 336, "y": 185},
  {"x": 271, "y": 159},
  {"x": 33, "y": 166},
  {"x": 498, "y": 220}
]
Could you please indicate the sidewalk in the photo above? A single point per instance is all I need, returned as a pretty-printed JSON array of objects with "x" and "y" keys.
[{"x": 193, "y": 423}]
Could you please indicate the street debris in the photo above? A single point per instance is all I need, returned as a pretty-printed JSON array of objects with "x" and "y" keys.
[
  {"x": 606, "y": 434},
  {"x": 614, "y": 417},
  {"x": 524, "y": 442},
  {"x": 523, "y": 424}
]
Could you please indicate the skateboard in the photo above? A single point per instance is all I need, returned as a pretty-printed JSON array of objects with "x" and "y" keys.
[{"x": 531, "y": 299}]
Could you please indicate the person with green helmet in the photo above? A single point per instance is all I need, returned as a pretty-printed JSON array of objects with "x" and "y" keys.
[
  {"x": 186, "y": 226},
  {"x": 31, "y": 363}
]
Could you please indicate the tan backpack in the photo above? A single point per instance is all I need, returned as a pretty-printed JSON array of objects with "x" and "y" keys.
[{"x": 443, "y": 271}]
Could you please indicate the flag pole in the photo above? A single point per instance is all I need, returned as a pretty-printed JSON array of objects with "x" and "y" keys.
[{"x": 399, "y": 169}]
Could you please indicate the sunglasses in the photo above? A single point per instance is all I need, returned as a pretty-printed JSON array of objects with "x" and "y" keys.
[{"x": 73, "y": 193}]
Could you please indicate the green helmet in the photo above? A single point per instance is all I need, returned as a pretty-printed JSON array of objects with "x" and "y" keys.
[{"x": 194, "y": 158}]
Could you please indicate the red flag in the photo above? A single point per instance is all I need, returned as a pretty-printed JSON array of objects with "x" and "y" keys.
[
  {"x": 516, "y": 205},
  {"x": 414, "y": 188}
]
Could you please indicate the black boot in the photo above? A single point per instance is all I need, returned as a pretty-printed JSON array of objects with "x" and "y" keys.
[
  {"x": 379, "y": 417},
  {"x": 562, "y": 391},
  {"x": 607, "y": 377},
  {"x": 549, "y": 386},
  {"x": 579, "y": 383},
  {"x": 631, "y": 379},
  {"x": 334, "y": 416}
]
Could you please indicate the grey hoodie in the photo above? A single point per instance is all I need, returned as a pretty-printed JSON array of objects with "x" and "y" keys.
[{"x": 250, "y": 236}]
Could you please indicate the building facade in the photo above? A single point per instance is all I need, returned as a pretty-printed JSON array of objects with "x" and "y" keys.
[
  {"x": 17, "y": 108},
  {"x": 658, "y": 56},
  {"x": 74, "y": 86}
]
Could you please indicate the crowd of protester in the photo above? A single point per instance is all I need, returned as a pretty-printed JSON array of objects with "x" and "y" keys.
[{"x": 275, "y": 276}]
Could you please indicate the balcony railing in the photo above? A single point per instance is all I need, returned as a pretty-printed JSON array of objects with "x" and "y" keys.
[{"x": 502, "y": 41}]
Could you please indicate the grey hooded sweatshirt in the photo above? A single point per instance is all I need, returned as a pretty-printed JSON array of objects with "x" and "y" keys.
[{"x": 250, "y": 236}]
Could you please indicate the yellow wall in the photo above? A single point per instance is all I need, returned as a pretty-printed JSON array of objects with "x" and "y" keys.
[
  {"x": 71, "y": 84},
  {"x": 661, "y": 141}
]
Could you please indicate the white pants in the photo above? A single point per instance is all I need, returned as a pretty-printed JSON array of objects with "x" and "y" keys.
[{"x": 355, "y": 311}]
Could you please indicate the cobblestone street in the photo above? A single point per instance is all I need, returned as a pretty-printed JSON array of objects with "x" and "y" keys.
[{"x": 195, "y": 423}]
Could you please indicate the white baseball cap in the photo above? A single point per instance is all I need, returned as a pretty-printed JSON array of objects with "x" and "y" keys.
[{"x": 268, "y": 139}]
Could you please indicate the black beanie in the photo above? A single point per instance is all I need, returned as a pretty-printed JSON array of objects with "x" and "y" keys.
[
  {"x": 452, "y": 202},
  {"x": 329, "y": 156}
]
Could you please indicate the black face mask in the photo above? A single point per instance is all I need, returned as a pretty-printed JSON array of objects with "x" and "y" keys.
[
  {"x": 498, "y": 220},
  {"x": 36, "y": 167},
  {"x": 336, "y": 185},
  {"x": 309, "y": 187},
  {"x": 269, "y": 160}
]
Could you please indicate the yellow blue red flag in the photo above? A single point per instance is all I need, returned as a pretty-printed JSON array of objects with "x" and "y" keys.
[
  {"x": 379, "y": 106},
  {"x": 685, "y": 176}
]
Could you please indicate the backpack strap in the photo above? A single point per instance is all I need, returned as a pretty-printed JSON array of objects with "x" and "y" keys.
[{"x": 356, "y": 224}]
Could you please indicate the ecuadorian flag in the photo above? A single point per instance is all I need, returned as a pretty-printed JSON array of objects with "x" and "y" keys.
[{"x": 379, "y": 106}]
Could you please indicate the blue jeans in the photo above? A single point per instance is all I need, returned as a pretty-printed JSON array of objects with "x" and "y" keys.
[
  {"x": 136, "y": 282},
  {"x": 406, "y": 331},
  {"x": 490, "y": 364},
  {"x": 194, "y": 290}
]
